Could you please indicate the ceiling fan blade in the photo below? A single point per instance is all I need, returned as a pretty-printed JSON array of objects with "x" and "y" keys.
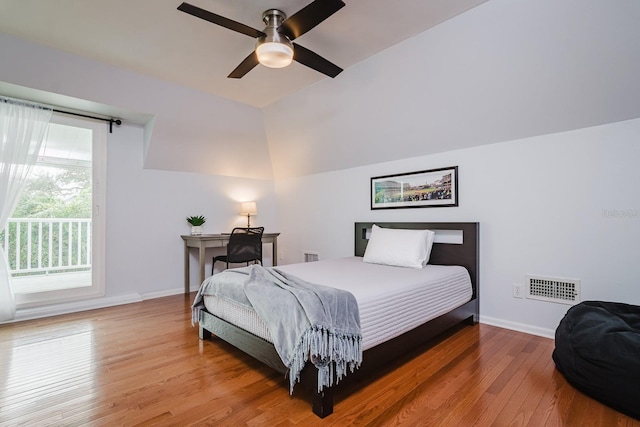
[
  {"x": 315, "y": 61},
  {"x": 220, "y": 20},
  {"x": 308, "y": 17},
  {"x": 245, "y": 66}
]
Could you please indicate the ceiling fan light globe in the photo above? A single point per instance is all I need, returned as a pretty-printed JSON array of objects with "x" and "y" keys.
[{"x": 274, "y": 54}]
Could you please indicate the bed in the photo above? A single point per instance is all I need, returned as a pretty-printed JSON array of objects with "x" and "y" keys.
[{"x": 456, "y": 244}]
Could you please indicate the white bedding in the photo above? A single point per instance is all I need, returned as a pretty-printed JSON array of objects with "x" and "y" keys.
[{"x": 391, "y": 300}]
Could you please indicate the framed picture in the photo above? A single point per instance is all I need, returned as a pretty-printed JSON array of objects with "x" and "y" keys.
[{"x": 423, "y": 189}]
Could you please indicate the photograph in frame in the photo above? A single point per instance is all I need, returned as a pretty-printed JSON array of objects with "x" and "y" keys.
[{"x": 422, "y": 189}]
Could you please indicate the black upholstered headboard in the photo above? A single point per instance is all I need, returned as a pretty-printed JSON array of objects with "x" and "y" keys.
[{"x": 464, "y": 252}]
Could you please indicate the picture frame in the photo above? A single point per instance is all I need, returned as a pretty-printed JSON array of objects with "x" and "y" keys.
[{"x": 422, "y": 189}]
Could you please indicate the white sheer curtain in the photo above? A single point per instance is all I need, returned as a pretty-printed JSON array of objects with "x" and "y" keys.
[{"x": 23, "y": 126}]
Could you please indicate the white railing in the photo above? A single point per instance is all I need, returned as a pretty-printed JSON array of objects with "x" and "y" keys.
[{"x": 42, "y": 245}]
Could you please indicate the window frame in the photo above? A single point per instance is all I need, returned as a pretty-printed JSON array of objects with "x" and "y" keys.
[{"x": 98, "y": 222}]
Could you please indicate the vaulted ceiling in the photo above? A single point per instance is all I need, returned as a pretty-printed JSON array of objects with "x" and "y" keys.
[
  {"x": 420, "y": 77},
  {"x": 152, "y": 37}
]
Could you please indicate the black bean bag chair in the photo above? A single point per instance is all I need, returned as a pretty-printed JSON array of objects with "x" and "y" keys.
[{"x": 597, "y": 349}]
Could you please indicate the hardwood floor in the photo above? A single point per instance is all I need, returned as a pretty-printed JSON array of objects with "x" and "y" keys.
[{"x": 143, "y": 364}]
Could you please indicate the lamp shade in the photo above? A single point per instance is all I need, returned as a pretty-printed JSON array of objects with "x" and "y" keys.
[
  {"x": 248, "y": 208},
  {"x": 274, "y": 54}
]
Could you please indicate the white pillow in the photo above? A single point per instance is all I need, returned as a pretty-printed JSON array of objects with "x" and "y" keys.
[{"x": 399, "y": 247}]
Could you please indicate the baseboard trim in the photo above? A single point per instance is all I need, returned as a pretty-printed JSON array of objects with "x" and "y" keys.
[
  {"x": 520, "y": 327},
  {"x": 32, "y": 313},
  {"x": 73, "y": 307},
  {"x": 160, "y": 294}
]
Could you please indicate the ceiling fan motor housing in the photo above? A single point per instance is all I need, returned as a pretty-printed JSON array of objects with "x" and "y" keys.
[
  {"x": 273, "y": 17},
  {"x": 274, "y": 50}
]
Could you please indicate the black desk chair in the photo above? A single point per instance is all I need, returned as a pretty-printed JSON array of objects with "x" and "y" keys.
[{"x": 245, "y": 244}]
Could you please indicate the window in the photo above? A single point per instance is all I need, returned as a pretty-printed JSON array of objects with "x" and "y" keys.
[{"x": 55, "y": 240}]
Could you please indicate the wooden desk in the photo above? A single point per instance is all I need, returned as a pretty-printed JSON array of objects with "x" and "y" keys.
[{"x": 216, "y": 241}]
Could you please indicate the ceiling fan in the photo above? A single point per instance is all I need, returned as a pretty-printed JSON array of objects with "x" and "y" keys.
[{"x": 274, "y": 47}]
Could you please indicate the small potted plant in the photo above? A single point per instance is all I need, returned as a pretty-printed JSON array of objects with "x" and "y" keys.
[{"x": 196, "y": 224}]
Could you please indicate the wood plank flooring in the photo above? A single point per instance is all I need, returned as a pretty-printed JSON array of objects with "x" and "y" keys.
[{"x": 143, "y": 364}]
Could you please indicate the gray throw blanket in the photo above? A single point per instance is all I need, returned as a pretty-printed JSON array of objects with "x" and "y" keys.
[{"x": 306, "y": 321}]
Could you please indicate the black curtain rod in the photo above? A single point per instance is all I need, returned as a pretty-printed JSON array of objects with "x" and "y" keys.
[{"x": 111, "y": 121}]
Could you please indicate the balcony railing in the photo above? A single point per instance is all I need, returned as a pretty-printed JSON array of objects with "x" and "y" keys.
[{"x": 43, "y": 246}]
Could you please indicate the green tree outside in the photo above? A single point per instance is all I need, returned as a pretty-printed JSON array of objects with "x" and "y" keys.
[{"x": 52, "y": 192}]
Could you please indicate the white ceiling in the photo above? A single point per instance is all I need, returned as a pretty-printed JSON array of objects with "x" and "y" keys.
[
  {"x": 501, "y": 71},
  {"x": 153, "y": 38}
]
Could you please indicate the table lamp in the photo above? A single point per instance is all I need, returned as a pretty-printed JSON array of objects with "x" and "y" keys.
[{"x": 248, "y": 209}]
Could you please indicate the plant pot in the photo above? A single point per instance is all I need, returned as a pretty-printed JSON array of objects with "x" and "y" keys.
[{"x": 196, "y": 230}]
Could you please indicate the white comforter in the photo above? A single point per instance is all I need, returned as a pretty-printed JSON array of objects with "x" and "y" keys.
[{"x": 391, "y": 300}]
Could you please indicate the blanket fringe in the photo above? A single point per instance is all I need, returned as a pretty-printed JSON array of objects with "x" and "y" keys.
[
  {"x": 195, "y": 315},
  {"x": 332, "y": 354}
]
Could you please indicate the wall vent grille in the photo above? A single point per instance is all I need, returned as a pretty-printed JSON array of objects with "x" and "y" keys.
[
  {"x": 311, "y": 257},
  {"x": 553, "y": 289}
]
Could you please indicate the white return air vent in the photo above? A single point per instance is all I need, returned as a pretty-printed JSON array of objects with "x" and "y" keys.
[
  {"x": 311, "y": 256},
  {"x": 553, "y": 289}
]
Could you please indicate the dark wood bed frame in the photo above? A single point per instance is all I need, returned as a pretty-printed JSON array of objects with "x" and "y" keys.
[{"x": 465, "y": 254}]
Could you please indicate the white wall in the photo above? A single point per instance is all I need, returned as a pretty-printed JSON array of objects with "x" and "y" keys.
[
  {"x": 146, "y": 215},
  {"x": 564, "y": 205},
  {"x": 146, "y": 211},
  {"x": 501, "y": 71},
  {"x": 191, "y": 131},
  {"x": 190, "y": 160}
]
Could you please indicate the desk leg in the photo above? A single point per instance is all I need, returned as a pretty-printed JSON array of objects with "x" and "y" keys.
[
  {"x": 186, "y": 268},
  {"x": 274, "y": 245},
  {"x": 201, "y": 253}
]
